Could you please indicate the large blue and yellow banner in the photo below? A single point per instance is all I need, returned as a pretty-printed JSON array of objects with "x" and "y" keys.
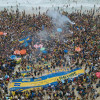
[{"x": 24, "y": 84}]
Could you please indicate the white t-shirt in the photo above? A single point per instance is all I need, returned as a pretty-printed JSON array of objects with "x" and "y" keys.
[
  {"x": 1, "y": 78},
  {"x": 48, "y": 97},
  {"x": 22, "y": 97},
  {"x": 16, "y": 97}
]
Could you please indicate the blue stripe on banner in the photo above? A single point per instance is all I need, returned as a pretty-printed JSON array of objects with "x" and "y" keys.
[
  {"x": 17, "y": 85},
  {"x": 25, "y": 71},
  {"x": 47, "y": 76}
]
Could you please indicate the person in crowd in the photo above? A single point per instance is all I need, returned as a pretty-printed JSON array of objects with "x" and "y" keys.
[{"x": 85, "y": 35}]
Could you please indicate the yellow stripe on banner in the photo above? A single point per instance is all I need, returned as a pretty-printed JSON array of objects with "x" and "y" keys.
[
  {"x": 21, "y": 41},
  {"x": 27, "y": 38},
  {"x": 36, "y": 88},
  {"x": 47, "y": 81}
]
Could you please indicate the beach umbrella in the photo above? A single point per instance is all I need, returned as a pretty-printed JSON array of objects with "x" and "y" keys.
[
  {"x": 6, "y": 76},
  {"x": 16, "y": 52},
  {"x": 38, "y": 46},
  {"x": 66, "y": 51},
  {"x": 42, "y": 49},
  {"x": 23, "y": 52},
  {"x": 4, "y": 34},
  {"x": 13, "y": 57},
  {"x": 44, "y": 52},
  {"x": 78, "y": 49},
  {"x": 59, "y": 30},
  {"x": 1, "y": 33},
  {"x": 98, "y": 74}
]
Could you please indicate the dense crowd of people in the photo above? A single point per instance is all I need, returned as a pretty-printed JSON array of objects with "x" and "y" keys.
[{"x": 85, "y": 35}]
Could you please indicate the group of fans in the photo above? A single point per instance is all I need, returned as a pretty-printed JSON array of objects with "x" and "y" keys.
[{"x": 85, "y": 34}]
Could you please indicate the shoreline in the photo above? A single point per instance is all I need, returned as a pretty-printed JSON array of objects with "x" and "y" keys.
[{"x": 40, "y": 10}]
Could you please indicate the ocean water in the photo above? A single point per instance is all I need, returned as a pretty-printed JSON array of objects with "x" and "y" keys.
[{"x": 64, "y": 5}]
